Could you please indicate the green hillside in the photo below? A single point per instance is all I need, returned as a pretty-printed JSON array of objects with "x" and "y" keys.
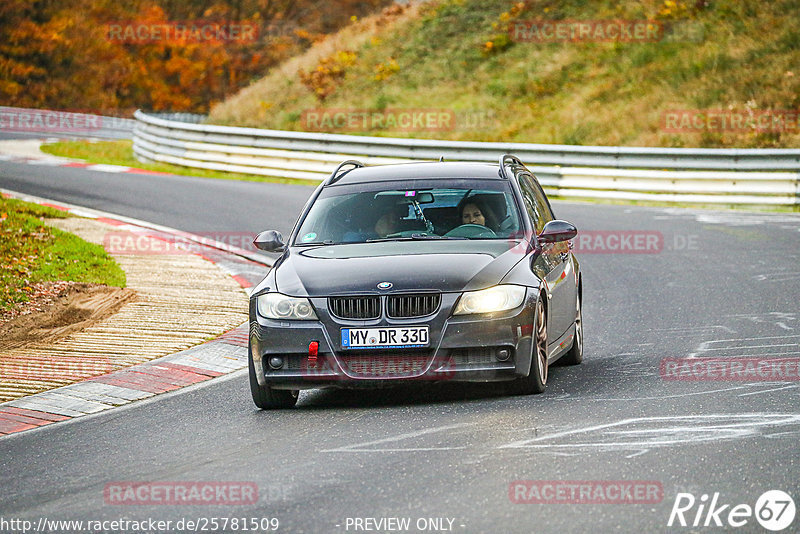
[{"x": 714, "y": 61}]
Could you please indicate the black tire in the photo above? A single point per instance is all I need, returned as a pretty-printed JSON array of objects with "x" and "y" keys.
[
  {"x": 536, "y": 381},
  {"x": 267, "y": 398},
  {"x": 575, "y": 354}
]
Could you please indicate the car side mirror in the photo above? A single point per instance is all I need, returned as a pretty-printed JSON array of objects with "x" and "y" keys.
[
  {"x": 557, "y": 231},
  {"x": 269, "y": 241}
]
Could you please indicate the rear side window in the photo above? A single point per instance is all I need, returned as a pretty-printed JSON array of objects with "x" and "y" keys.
[
  {"x": 535, "y": 202},
  {"x": 542, "y": 202}
]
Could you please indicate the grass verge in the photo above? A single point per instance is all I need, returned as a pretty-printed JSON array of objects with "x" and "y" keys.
[
  {"x": 460, "y": 57},
  {"x": 32, "y": 252},
  {"x": 121, "y": 153}
]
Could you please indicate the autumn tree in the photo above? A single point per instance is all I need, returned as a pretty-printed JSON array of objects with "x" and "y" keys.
[{"x": 57, "y": 53}]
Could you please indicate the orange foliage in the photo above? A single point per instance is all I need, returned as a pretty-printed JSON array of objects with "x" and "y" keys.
[
  {"x": 322, "y": 81},
  {"x": 62, "y": 54}
]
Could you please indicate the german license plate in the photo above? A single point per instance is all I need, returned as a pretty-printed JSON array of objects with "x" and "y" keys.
[{"x": 405, "y": 337}]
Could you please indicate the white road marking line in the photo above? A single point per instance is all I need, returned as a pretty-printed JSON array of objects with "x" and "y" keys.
[
  {"x": 102, "y": 167},
  {"x": 751, "y": 339},
  {"x": 695, "y": 329},
  {"x": 781, "y": 434},
  {"x": 45, "y": 162},
  {"x": 735, "y": 344},
  {"x": 675, "y": 396},
  {"x": 777, "y": 277},
  {"x": 756, "y": 421},
  {"x": 84, "y": 213},
  {"x": 524, "y": 442},
  {"x": 790, "y": 386},
  {"x": 789, "y": 315},
  {"x": 772, "y": 356},
  {"x": 359, "y": 447},
  {"x": 410, "y": 449},
  {"x": 755, "y": 347}
]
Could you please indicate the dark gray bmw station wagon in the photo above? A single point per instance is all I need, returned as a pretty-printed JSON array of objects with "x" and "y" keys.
[{"x": 417, "y": 271}]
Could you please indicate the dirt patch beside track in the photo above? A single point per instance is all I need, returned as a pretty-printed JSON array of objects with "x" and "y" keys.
[{"x": 67, "y": 308}]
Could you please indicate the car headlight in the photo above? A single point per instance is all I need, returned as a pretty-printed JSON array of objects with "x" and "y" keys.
[
  {"x": 494, "y": 299},
  {"x": 277, "y": 306}
]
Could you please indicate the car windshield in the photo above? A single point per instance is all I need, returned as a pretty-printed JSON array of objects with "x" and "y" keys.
[{"x": 468, "y": 209}]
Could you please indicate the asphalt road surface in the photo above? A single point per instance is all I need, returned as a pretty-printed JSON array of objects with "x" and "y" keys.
[{"x": 722, "y": 284}]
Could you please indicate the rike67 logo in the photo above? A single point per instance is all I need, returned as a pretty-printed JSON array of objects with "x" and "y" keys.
[{"x": 774, "y": 510}]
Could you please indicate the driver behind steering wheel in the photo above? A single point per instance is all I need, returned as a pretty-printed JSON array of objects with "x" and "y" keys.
[
  {"x": 474, "y": 210},
  {"x": 389, "y": 222}
]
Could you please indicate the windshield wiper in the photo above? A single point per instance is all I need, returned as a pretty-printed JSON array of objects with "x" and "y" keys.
[
  {"x": 429, "y": 236},
  {"x": 379, "y": 239},
  {"x": 414, "y": 237},
  {"x": 313, "y": 243}
]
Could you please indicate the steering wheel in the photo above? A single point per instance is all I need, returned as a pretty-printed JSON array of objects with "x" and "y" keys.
[{"x": 471, "y": 230}]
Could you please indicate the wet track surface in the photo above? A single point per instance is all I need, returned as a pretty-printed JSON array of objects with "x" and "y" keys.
[{"x": 722, "y": 284}]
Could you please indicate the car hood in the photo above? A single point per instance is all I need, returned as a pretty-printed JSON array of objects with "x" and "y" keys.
[{"x": 446, "y": 266}]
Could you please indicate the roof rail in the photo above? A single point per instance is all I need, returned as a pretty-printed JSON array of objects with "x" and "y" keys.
[
  {"x": 513, "y": 159},
  {"x": 335, "y": 174}
]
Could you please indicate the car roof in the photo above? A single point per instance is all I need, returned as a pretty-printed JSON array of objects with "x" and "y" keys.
[{"x": 420, "y": 170}]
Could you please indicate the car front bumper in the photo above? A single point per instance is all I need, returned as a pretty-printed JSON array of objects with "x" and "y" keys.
[{"x": 462, "y": 348}]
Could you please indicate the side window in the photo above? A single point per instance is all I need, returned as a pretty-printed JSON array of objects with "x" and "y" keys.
[
  {"x": 532, "y": 204},
  {"x": 543, "y": 205}
]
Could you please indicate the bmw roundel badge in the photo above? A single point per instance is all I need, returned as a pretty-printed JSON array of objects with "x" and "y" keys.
[{"x": 385, "y": 285}]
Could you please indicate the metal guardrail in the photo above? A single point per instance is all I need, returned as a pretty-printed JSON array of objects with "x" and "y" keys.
[
  {"x": 721, "y": 176},
  {"x": 180, "y": 116}
]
